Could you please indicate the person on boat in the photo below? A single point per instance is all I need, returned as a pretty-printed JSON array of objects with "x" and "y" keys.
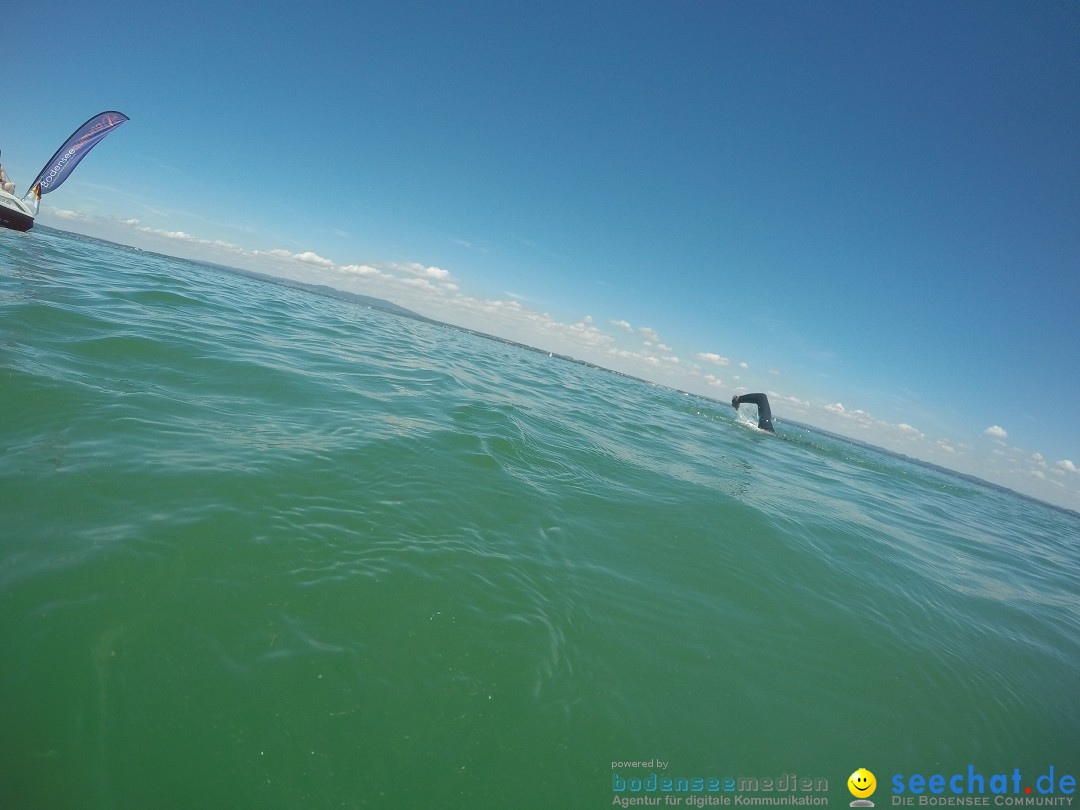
[
  {"x": 5, "y": 183},
  {"x": 764, "y": 412}
]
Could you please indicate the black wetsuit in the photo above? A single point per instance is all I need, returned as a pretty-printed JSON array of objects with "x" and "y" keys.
[{"x": 764, "y": 412}]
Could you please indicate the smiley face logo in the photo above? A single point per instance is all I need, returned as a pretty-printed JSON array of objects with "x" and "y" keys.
[{"x": 861, "y": 783}]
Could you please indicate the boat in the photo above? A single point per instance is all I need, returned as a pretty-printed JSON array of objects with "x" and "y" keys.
[
  {"x": 18, "y": 214},
  {"x": 15, "y": 213}
]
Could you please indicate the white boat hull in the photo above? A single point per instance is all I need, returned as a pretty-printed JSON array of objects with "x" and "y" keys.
[{"x": 14, "y": 213}]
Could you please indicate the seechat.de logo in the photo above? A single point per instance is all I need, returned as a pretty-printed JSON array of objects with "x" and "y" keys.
[{"x": 983, "y": 790}]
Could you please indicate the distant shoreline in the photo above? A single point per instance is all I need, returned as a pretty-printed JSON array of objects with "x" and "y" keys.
[{"x": 325, "y": 291}]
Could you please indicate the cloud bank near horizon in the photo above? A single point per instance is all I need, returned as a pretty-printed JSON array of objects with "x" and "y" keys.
[{"x": 637, "y": 350}]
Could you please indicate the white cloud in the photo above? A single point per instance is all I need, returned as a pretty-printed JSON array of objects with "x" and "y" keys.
[
  {"x": 907, "y": 429},
  {"x": 359, "y": 270},
  {"x": 1066, "y": 465},
  {"x": 176, "y": 236},
  {"x": 587, "y": 333},
  {"x": 63, "y": 213},
  {"x": 649, "y": 333},
  {"x": 857, "y": 418},
  {"x": 622, "y": 325},
  {"x": 744, "y": 365},
  {"x": 715, "y": 359},
  {"x": 422, "y": 271},
  {"x": 996, "y": 432},
  {"x": 186, "y": 237},
  {"x": 307, "y": 257},
  {"x": 789, "y": 400},
  {"x": 465, "y": 243}
]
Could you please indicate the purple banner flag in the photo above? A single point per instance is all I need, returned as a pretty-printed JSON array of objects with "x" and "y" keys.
[{"x": 67, "y": 157}]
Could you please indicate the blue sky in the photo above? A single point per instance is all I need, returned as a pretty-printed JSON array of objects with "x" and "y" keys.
[{"x": 869, "y": 210}]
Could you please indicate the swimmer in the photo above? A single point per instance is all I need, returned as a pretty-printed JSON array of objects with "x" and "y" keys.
[{"x": 764, "y": 412}]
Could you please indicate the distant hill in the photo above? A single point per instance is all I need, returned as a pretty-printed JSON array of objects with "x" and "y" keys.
[
  {"x": 321, "y": 289},
  {"x": 316, "y": 289},
  {"x": 389, "y": 306}
]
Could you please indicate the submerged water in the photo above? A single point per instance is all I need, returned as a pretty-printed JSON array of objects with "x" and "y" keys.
[{"x": 264, "y": 549}]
